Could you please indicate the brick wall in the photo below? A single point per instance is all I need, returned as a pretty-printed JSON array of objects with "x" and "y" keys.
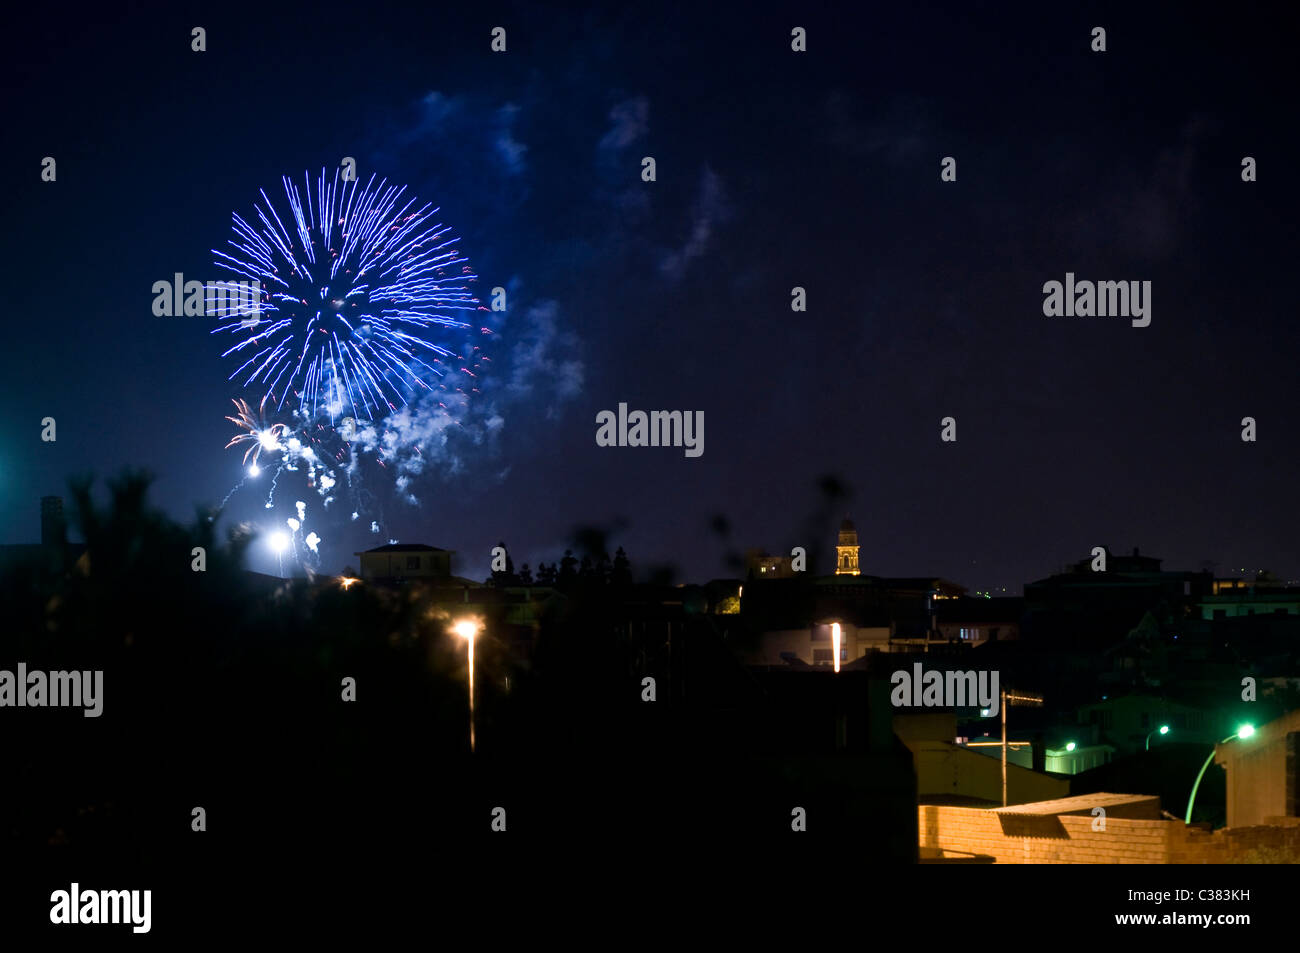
[
  {"x": 1070, "y": 839},
  {"x": 1238, "y": 845}
]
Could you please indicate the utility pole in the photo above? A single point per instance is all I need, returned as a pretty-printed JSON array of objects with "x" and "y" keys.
[{"x": 1011, "y": 698}]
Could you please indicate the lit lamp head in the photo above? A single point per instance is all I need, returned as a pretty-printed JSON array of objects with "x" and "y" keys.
[
  {"x": 466, "y": 628},
  {"x": 1245, "y": 731},
  {"x": 1164, "y": 729},
  {"x": 1069, "y": 746}
]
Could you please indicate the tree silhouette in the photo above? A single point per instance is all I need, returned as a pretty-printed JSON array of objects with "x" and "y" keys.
[
  {"x": 622, "y": 572},
  {"x": 568, "y": 571},
  {"x": 231, "y": 680},
  {"x": 506, "y": 577}
]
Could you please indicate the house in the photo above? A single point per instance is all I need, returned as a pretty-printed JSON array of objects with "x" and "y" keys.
[
  {"x": 1127, "y": 721},
  {"x": 1232, "y": 598},
  {"x": 1264, "y": 774},
  {"x": 763, "y": 565},
  {"x": 1092, "y": 606},
  {"x": 401, "y": 562},
  {"x": 976, "y": 621}
]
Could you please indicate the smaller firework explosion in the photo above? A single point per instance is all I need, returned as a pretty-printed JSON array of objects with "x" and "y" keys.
[{"x": 259, "y": 436}]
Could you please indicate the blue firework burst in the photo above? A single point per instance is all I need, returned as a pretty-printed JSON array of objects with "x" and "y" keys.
[{"x": 365, "y": 300}]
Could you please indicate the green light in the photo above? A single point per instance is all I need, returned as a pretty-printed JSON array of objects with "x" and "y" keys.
[
  {"x": 1245, "y": 731},
  {"x": 1164, "y": 729},
  {"x": 1070, "y": 746}
]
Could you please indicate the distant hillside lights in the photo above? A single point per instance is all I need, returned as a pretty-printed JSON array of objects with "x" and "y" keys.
[
  {"x": 658, "y": 428},
  {"x": 1085, "y": 299}
]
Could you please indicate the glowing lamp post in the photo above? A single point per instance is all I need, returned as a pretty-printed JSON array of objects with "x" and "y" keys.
[
  {"x": 1245, "y": 731},
  {"x": 835, "y": 643},
  {"x": 467, "y": 629},
  {"x": 1163, "y": 729},
  {"x": 279, "y": 543}
]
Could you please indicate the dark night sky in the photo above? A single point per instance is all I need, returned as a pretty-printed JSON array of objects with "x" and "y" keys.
[{"x": 775, "y": 169}]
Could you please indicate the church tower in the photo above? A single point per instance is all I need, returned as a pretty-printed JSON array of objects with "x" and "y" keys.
[{"x": 846, "y": 553}]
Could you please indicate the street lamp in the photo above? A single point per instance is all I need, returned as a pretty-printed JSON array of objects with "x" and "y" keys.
[
  {"x": 1069, "y": 746},
  {"x": 467, "y": 629},
  {"x": 279, "y": 542},
  {"x": 1163, "y": 729},
  {"x": 1245, "y": 731}
]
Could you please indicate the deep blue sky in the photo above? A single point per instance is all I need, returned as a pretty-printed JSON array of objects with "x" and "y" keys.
[{"x": 775, "y": 169}]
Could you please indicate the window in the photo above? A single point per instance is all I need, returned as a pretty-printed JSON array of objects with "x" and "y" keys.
[
  {"x": 412, "y": 562},
  {"x": 822, "y": 656}
]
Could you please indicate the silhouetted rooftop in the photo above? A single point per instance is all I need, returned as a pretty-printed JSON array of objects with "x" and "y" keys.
[{"x": 403, "y": 548}]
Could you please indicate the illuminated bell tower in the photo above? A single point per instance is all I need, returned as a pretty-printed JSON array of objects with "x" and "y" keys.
[{"x": 846, "y": 553}]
